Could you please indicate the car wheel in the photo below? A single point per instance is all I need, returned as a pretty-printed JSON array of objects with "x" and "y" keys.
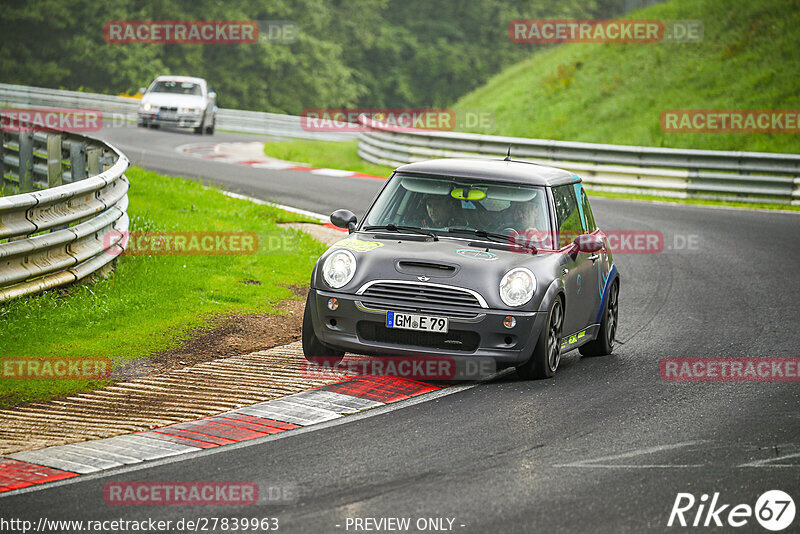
[
  {"x": 604, "y": 344},
  {"x": 153, "y": 126},
  {"x": 210, "y": 129},
  {"x": 313, "y": 349},
  {"x": 199, "y": 130},
  {"x": 547, "y": 354}
]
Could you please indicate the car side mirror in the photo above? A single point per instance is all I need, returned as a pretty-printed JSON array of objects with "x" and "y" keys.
[
  {"x": 344, "y": 219},
  {"x": 588, "y": 243},
  {"x": 212, "y": 94},
  {"x": 142, "y": 90}
]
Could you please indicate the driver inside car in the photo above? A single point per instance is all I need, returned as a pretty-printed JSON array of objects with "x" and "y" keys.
[
  {"x": 528, "y": 216},
  {"x": 528, "y": 221},
  {"x": 440, "y": 212}
]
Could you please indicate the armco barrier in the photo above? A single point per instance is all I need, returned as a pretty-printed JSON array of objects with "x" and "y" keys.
[
  {"x": 123, "y": 109},
  {"x": 738, "y": 176},
  {"x": 73, "y": 191}
]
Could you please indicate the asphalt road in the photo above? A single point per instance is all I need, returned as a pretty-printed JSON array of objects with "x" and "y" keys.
[
  {"x": 155, "y": 150},
  {"x": 605, "y": 446}
]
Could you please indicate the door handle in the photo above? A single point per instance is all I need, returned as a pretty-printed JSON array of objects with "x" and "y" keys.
[{"x": 594, "y": 257}]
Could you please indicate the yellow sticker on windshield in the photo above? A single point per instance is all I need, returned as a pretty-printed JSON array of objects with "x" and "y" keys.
[
  {"x": 356, "y": 245},
  {"x": 469, "y": 194}
]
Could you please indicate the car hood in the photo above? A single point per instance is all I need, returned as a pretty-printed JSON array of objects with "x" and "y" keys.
[
  {"x": 171, "y": 100},
  {"x": 462, "y": 263}
]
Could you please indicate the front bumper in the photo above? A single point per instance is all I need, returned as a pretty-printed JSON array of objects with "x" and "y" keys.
[
  {"x": 178, "y": 121},
  {"x": 357, "y": 328}
]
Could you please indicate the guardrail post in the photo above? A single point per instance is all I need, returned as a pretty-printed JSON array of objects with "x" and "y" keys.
[
  {"x": 77, "y": 159},
  {"x": 94, "y": 155},
  {"x": 2, "y": 164},
  {"x": 54, "y": 170},
  {"x": 25, "y": 162},
  {"x": 106, "y": 160}
]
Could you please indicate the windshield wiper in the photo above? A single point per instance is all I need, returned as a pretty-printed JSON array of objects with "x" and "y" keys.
[
  {"x": 400, "y": 228},
  {"x": 492, "y": 235}
]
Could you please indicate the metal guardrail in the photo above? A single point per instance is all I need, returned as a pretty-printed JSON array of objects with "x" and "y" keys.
[
  {"x": 121, "y": 111},
  {"x": 69, "y": 219},
  {"x": 736, "y": 176}
]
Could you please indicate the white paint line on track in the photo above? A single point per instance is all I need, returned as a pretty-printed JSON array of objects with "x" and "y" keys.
[
  {"x": 274, "y": 166},
  {"x": 332, "y": 172},
  {"x": 595, "y": 462},
  {"x": 634, "y": 466},
  {"x": 769, "y": 462},
  {"x": 290, "y": 209}
]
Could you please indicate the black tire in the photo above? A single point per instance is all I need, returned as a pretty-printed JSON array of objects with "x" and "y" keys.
[
  {"x": 547, "y": 354},
  {"x": 199, "y": 130},
  {"x": 313, "y": 349},
  {"x": 154, "y": 126},
  {"x": 604, "y": 344},
  {"x": 210, "y": 129}
]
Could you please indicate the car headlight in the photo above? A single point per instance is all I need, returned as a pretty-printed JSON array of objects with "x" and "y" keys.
[
  {"x": 339, "y": 268},
  {"x": 147, "y": 107},
  {"x": 517, "y": 286}
]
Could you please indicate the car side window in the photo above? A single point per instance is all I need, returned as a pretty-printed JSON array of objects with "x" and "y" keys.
[
  {"x": 591, "y": 225},
  {"x": 568, "y": 215}
]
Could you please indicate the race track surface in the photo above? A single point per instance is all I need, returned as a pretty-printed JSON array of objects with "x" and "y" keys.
[{"x": 605, "y": 446}]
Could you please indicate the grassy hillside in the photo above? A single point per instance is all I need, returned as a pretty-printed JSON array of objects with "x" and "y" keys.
[{"x": 615, "y": 93}]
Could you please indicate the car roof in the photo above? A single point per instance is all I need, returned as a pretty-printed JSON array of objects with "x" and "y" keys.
[
  {"x": 201, "y": 81},
  {"x": 492, "y": 171}
]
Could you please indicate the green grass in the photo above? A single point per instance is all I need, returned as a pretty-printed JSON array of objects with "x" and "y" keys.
[
  {"x": 330, "y": 154},
  {"x": 615, "y": 93},
  {"x": 152, "y": 303}
]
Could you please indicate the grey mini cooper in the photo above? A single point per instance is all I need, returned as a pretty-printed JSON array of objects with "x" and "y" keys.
[{"x": 462, "y": 257}]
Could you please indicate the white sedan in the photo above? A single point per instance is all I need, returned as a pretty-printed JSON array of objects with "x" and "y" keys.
[{"x": 179, "y": 101}]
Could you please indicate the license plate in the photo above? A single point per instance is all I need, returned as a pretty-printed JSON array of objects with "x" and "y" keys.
[{"x": 409, "y": 321}]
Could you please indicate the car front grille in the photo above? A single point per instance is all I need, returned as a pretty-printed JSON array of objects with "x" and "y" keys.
[
  {"x": 421, "y": 294},
  {"x": 454, "y": 340},
  {"x": 422, "y": 298}
]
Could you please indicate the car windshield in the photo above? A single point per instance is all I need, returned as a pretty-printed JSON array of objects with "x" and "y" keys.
[
  {"x": 444, "y": 204},
  {"x": 178, "y": 88}
]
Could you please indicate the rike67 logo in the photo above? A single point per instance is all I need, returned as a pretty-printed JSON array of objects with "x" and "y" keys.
[{"x": 774, "y": 510}]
